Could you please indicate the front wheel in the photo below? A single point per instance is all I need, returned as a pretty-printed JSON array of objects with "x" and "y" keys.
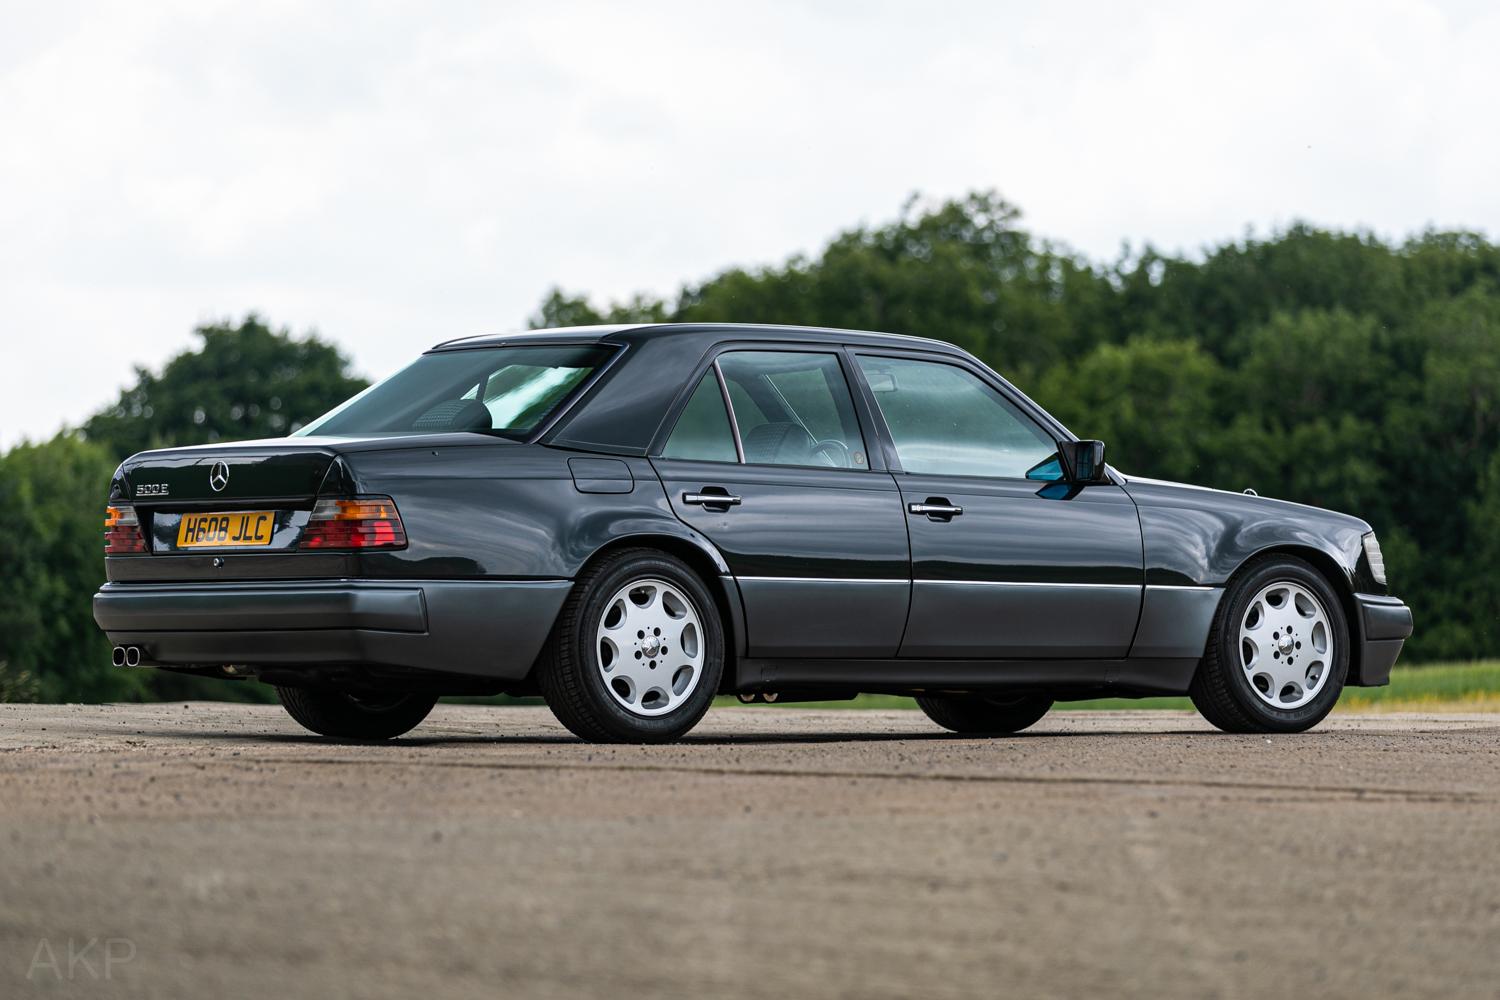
[
  {"x": 637, "y": 652},
  {"x": 1277, "y": 654},
  {"x": 978, "y": 715},
  {"x": 347, "y": 716}
]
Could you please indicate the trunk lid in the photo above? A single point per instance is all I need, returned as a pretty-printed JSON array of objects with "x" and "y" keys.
[
  {"x": 189, "y": 478},
  {"x": 255, "y": 496},
  {"x": 243, "y": 510}
]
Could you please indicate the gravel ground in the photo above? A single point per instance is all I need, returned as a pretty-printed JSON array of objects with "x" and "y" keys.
[{"x": 210, "y": 850}]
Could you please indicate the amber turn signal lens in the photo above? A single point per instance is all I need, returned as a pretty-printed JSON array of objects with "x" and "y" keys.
[{"x": 122, "y": 532}]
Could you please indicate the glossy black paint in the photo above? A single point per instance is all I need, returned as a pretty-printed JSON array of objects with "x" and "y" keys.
[
  {"x": 1195, "y": 535},
  {"x": 1024, "y": 571},
  {"x": 485, "y": 508},
  {"x": 820, "y": 554},
  {"x": 823, "y": 576}
]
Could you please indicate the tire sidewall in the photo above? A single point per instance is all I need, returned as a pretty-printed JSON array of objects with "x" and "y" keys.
[
  {"x": 594, "y": 603},
  {"x": 1240, "y": 688},
  {"x": 986, "y": 714},
  {"x": 337, "y": 713}
]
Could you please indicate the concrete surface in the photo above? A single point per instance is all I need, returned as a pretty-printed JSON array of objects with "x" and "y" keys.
[{"x": 210, "y": 850}]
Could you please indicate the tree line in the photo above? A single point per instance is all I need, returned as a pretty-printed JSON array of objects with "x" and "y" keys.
[
  {"x": 1331, "y": 368},
  {"x": 241, "y": 381}
]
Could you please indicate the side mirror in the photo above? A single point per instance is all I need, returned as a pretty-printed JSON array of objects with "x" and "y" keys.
[{"x": 1083, "y": 461}]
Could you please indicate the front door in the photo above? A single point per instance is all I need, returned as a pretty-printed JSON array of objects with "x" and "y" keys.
[
  {"x": 1007, "y": 560},
  {"x": 768, "y": 461}
]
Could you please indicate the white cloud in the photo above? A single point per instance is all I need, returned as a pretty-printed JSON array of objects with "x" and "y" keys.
[{"x": 395, "y": 174}]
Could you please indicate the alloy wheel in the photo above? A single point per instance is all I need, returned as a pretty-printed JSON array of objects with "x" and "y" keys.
[
  {"x": 1286, "y": 645},
  {"x": 649, "y": 646}
]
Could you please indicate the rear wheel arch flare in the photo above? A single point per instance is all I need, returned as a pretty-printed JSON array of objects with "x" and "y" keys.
[{"x": 708, "y": 565}]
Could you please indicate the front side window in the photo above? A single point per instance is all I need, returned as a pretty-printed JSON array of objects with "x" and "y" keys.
[
  {"x": 793, "y": 408},
  {"x": 505, "y": 391},
  {"x": 945, "y": 421}
]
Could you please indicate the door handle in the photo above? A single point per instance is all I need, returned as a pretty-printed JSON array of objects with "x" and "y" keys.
[
  {"x": 936, "y": 508},
  {"x": 711, "y": 499}
]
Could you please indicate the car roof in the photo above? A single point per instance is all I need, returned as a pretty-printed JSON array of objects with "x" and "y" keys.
[
  {"x": 627, "y": 402},
  {"x": 706, "y": 333}
]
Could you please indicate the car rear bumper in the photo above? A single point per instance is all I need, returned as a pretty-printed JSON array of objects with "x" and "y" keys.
[
  {"x": 1385, "y": 623},
  {"x": 485, "y": 628}
]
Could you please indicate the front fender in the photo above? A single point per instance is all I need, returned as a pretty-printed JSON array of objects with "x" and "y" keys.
[
  {"x": 1199, "y": 537},
  {"x": 1195, "y": 540}
]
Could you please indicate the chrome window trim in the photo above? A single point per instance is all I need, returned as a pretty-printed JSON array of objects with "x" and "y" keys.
[
  {"x": 734, "y": 423},
  {"x": 1025, "y": 406}
]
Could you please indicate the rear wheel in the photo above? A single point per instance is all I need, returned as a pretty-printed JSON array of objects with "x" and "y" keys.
[
  {"x": 980, "y": 714},
  {"x": 637, "y": 651},
  {"x": 343, "y": 715},
  {"x": 1277, "y": 654}
]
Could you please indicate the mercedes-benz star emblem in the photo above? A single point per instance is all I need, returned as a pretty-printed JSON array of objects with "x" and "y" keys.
[{"x": 218, "y": 476}]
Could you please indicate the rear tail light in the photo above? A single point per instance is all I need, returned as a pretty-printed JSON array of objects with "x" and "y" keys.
[
  {"x": 357, "y": 523},
  {"x": 122, "y": 531}
]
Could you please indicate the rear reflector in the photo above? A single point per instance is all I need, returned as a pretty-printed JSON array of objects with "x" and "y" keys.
[
  {"x": 122, "y": 532},
  {"x": 355, "y": 523}
]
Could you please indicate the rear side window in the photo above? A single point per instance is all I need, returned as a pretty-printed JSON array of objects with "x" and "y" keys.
[
  {"x": 703, "y": 433},
  {"x": 504, "y": 391},
  {"x": 945, "y": 421},
  {"x": 793, "y": 408}
]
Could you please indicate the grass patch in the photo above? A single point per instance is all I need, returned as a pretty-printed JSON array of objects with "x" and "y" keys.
[{"x": 1446, "y": 687}]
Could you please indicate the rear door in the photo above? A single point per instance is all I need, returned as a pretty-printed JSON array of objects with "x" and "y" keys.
[
  {"x": 1007, "y": 560},
  {"x": 768, "y": 459}
]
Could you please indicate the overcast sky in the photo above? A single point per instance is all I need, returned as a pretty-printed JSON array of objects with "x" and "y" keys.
[{"x": 392, "y": 174}]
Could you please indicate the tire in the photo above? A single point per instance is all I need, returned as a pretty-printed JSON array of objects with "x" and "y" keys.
[
  {"x": 637, "y": 651},
  {"x": 979, "y": 715},
  {"x": 1241, "y": 691},
  {"x": 330, "y": 712}
]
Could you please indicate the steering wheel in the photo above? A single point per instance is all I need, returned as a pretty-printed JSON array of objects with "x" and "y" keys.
[{"x": 838, "y": 452}]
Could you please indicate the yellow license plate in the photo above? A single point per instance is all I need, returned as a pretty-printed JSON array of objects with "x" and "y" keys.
[{"x": 220, "y": 531}]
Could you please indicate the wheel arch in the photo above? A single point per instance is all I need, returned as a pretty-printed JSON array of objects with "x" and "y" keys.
[
  {"x": 706, "y": 561},
  {"x": 1337, "y": 578}
]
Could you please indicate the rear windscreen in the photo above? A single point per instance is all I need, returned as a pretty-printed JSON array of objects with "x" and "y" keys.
[{"x": 506, "y": 391}]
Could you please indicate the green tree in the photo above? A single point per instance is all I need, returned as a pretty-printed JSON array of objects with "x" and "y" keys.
[
  {"x": 962, "y": 270},
  {"x": 1477, "y": 591},
  {"x": 245, "y": 381},
  {"x": 52, "y": 547},
  {"x": 1152, "y": 401},
  {"x": 1326, "y": 367},
  {"x": 559, "y": 309}
]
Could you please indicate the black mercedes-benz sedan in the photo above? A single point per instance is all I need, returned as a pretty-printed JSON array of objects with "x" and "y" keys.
[{"x": 631, "y": 520}]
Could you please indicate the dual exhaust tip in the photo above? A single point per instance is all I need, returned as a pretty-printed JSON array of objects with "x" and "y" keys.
[{"x": 126, "y": 656}]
